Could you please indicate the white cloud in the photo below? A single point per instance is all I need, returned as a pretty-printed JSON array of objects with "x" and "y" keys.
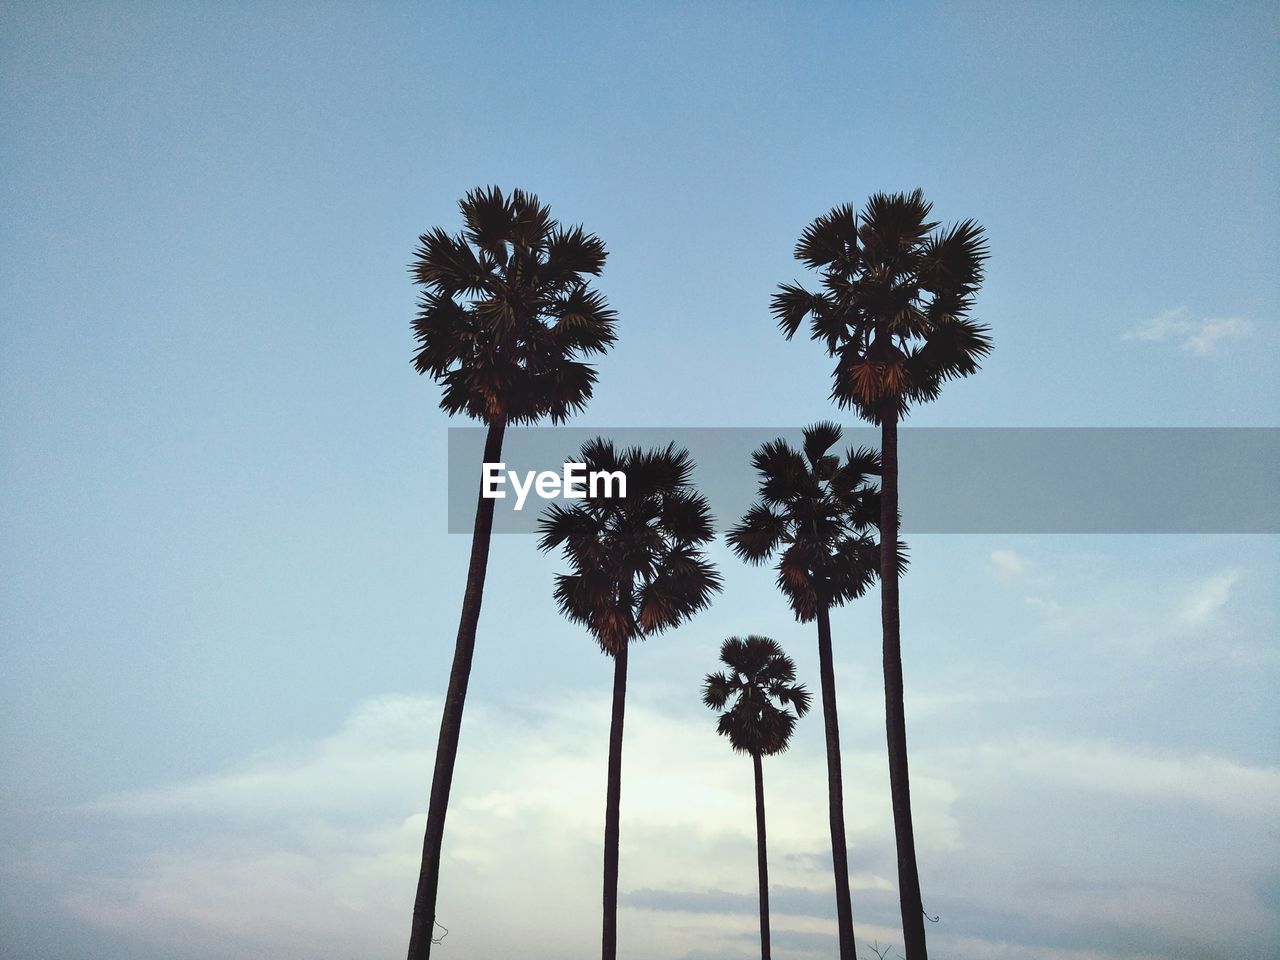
[
  {"x": 1208, "y": 597},
  {"x": 319, "y": 842},
  {"x": 1008, "y": 563},
  {"x": 1198, "y": 335},
  {"x": 1106, "y": 768},
  {"x": 376, "y": 762}
]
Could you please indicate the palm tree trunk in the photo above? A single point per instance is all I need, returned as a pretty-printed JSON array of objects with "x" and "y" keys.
[
  {"x": 424, "y": 905},
  {"x": 835, "y": 786},
  {"x": 613, "y": 808},
  {"x": 895, "y": 714},
  {"x": 763, "y": 858}
]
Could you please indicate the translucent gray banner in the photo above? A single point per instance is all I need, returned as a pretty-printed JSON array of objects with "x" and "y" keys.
[{"x": 953, "y": 480}]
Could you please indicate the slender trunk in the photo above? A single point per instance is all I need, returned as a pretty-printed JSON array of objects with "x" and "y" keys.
[
  {"x": 835, "y": 786},
  {"x": 895, "y": 715},
  {"x": 612, "y": 809},
  {"x": 763, "y": 858},
  {"x": 424, "y": 904}
]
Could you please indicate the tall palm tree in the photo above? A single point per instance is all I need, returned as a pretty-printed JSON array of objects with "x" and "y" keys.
[
  {"x": 893, "y": 310},
  {"x": 638, "y": 568},
  {"x": 761, "y": 685},
  {"x": 814, "y": 512},
  {"x": 505, "y": 317}
]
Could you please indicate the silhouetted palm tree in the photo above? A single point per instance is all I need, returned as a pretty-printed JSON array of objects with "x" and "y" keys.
[
  {"x": 814, "y": 511},
  {"x": 894, "y": 312},
  {"x": 760, "y": 673},
  {"x": 505, "y": 316},
  {"x": 638, "y": 567}
]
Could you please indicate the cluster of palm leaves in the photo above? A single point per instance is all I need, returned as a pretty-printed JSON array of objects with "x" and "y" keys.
[{"x": 507, "y": 320}]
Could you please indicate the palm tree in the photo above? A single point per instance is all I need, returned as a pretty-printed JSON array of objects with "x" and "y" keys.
[
  {"x": 638, "y": 568},
  {"x": 893, "y": 310},
  {"x": 504, "y": 318},
  {"x": 814, "y": 511},
  {"x": 760, "y": 673}
]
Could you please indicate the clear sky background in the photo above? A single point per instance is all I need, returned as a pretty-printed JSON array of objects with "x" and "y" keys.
[{"x": 228, "y": 600}]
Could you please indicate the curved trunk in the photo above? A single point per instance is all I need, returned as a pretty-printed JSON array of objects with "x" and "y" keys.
[
  {"x": 895, "y": 715},
  {"x": 613, "y": 809},
  {"x": 835, "y": 786},
  {"x": 424, "y": 904},
  {"x": 762, "y": 858}
]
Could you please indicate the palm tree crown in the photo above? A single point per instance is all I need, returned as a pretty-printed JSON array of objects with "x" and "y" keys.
[
  {"x": 894, "y": 304},
  {"x": 506, "y": 311},
  {"x": 816, "y": 509},
  {"x": 757, "y": 689},
  {"x": 638, "y": 564}
]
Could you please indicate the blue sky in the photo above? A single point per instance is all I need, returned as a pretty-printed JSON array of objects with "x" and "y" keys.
[{"x": 228, "y": 599}]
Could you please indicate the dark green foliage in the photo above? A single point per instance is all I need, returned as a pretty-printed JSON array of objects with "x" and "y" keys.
[{"x": 506, "y": 311}]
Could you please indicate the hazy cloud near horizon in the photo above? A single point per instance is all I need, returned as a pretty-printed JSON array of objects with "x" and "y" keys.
[{"x": 318, "y": 842}]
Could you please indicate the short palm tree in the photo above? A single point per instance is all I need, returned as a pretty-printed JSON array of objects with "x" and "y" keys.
[
  {"x": 814, "y": 512},
  {"x": 893, "y": 310},
  {"x": 638, "y": 568},
  {"x": 757, "y": 691},
  {"x": 505, "y": 317}
]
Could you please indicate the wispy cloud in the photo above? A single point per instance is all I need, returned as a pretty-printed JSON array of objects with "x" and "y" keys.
[
  {"x": 1008, "y": 563},
  {"x": 1208, "y": 597},
  {"x": 1106, "y": 768},
  {"x": 1198, "y": 335}
]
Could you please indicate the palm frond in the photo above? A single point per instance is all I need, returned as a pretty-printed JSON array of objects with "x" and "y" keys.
[
  {"x": 687, "y": 518},
  {"x": 791, "y": 305},
  {"x": 490, "y": 221},
  {"x": 599, "y": 453},
  {"x": 798, "y": 697},
  {"x": 819, "y": 438},
  {"x": 830, "y": 240},
  {"x": 573, "y": 252},
  {"x": 581, "y": 322},
  {"x": 716, "y": 690},
  {"x": 758, "y": 534},
  {"x": 784, "y": 475},
  {"x": 952, "y": 260}
]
